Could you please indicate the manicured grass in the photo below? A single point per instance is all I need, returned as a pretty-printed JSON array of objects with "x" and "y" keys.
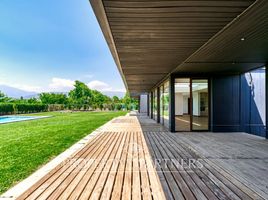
[{"x": 25, "y": 146}]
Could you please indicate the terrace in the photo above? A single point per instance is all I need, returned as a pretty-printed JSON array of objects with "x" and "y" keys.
[
  {"x": 193, "y": 61},
  {"x": 133, "y": 157}
]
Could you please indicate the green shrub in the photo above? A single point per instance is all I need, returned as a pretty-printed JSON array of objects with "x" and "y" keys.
[
  {"x": 13, "y": 108},
  {"x": 7, "y": 108},
  {"x": 30, "y": 108},
  {"x": 56, "y": 107}
]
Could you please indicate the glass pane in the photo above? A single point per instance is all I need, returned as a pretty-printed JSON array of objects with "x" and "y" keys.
[
  {"x": 155, "y": 105},
  {"x": 200, "y": 104},
  {"x": 161, "y": 104},
  {"x": 166, "y": 104},
  {"x": 149, "y": 99},
  {"x": 182, "y": 104}
]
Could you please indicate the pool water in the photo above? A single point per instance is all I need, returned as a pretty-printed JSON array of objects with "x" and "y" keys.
[{"x": 14, "y": 118}]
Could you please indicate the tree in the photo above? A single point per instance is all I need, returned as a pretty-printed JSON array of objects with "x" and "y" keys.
[
  {"x": 52, "y": 98},
  {"x": 3, "y": 98},
  {"x": 129, "y": 103},
  {"x": 81, "y": 95},
  {"x": 116, "y": 99}
]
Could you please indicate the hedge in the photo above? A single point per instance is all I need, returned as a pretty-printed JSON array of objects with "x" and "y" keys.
[
  {"x": 30, "y": 108},
  {"x": 9, "y": 108}
]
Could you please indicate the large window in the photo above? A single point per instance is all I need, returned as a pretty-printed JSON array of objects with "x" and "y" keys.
[
  {"x": 149, "y": 103},
  {"x": 166, "y": 104},
  {"x": 155, "y": 104},
  {"x": 161, "y": 104}
]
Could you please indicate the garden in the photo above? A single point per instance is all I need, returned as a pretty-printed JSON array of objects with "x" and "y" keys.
[{"x": 81, "y": 98}]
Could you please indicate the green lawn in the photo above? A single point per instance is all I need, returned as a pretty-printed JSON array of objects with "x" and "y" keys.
[{"x": 25, "y": 146}]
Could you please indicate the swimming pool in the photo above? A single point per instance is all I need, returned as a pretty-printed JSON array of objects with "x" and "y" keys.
[{"x": 15, "y": 118}]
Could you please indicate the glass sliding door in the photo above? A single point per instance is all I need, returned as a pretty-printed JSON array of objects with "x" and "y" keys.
[
  {"x": 200, "y": 105},
  {"x": 182, "y": 104}
]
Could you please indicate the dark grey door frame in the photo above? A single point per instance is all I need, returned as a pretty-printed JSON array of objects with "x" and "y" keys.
[{"x": 172, "y": 101}]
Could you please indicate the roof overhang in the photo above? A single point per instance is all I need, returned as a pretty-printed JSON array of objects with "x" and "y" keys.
[{"x": 151, "y": 39}]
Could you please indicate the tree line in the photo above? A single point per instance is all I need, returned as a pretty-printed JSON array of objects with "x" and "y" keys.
[{"x": 80, "y": 98}]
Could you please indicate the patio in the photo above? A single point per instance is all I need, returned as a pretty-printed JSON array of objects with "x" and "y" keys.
[{"x": 119, "y": 162}]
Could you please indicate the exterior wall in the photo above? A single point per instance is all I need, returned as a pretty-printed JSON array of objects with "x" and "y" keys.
[
  {"x": 253, "y": 108},
  {"x": 225, "y": 103},
  {"x": 143, "y": 103},
  {"x": 238, "y": 103}
]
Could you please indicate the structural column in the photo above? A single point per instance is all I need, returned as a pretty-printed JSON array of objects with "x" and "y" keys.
[{"x": 172, "y": 104}]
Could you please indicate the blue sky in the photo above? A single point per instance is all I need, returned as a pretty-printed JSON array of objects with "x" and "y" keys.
[{"x": 45, "y": 45}]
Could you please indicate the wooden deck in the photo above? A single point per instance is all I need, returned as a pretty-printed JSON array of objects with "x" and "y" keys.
[
  {"x": 114, "y": 165},
  {"x": 135, "y": 158},
  {"x": 209, "y": 165}
]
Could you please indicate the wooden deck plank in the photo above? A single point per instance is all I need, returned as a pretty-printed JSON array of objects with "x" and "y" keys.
[
  {"x": 83, "y": 169},
  {"x": 89, "y": 171},
  {"x": 74, "y": 176},
  {"x": 157, "y": 190},
  {"x": 183, "y": 170},
  {"x": 162, "y": 178},
  {"x": 110, "y": 183},
  {"x": 210, "y": 184},
  {"x": 207, "y": 186},
  {"x": 145, "y": 184},
  {"x": 237, "y": 187},
  {"x": 116, "y": 155},
  {"x": 170, "y": 180},
  {"x": 126, "y": 194},
  {"x": 234, "y": 191},
  {"x": 119, "y": 181},
  {"x": 95, "y": 173},
  {"x": 136, "y": 188},
  {"x": 60, "y": 180}
]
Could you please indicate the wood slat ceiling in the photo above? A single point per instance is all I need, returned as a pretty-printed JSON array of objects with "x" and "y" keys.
[
  {"x": 238, "y": 48},
  {"x": 152, "y": 38}
]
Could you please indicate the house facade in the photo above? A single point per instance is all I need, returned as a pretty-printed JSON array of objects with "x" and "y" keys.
[{"x": 201, "y": 63}]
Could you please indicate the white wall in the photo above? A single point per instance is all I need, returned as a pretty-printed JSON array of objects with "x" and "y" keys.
[
  {"x": 181, "y": 103},
  {"x": 185, "y": 104},
  {"x": 178, "y": 104},
  {"x": 196, "y": 104},
  {"x": 143, "y": 103}
]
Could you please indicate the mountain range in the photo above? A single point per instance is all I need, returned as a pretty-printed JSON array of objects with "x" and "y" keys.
[{"x": 18, "y": 93}]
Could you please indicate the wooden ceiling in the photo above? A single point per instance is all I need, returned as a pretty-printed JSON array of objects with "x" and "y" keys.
[
  {"x": 239, "y": 47},
  {"x": 150, "y": 39}
]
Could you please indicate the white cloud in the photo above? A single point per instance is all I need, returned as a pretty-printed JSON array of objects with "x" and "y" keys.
[
  {"x": 61, "y": 85},
  {"x": 28, "y": 88},
  {"x": 65, "y": 85},
  {"x": 103, "y": 87},
  {"x": 99, "y": 85}
]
